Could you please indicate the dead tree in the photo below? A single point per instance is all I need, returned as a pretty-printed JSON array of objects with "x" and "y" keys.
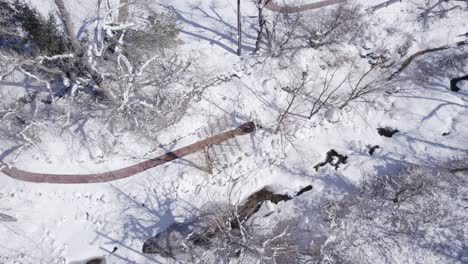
[
  {"x": 280, "y": 31},
  {"x": 410, "y": 59},
  {"x": 294, "y": 91},
  {"x": 261, "y": 22}
]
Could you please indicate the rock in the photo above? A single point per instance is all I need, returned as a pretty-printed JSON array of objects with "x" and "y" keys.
[
  {"x": 305, "y": 189},
  {"x": 334, "y": 159},
  {"x": 168, "y": 242},
  {"x": 93, "y": 260},
  {"x": 332, "y": 115},
  {"x": 372, "y": 149},
  {"x": 387, "y": 131},
  {"x": 178, "y": 237},
  {"x": 96, "y": 261},
  {"x": 253, "y": 204}
]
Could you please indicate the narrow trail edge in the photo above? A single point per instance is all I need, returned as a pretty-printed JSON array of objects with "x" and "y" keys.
[{"x": 131, "y": 170}]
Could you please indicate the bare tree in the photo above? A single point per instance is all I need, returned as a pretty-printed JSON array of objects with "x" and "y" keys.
[
  {"x": 126, "y": 76},
  {"x": 326, "y": 93},
  {"x": 261, "y": 22},
  {"x": 437, "y": 8},
  {"x": 342, "y": 23},
  {"x": 280, "y": 31},
  {"x": 411, "y": 58},
  {"x": 293, "y": 90},
  {"x": 70, "y": 30}
]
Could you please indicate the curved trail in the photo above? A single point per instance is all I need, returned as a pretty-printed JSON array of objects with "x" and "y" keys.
[
  {"x": 272, "y": 6},
  {"x": 130, "y": 170},
  {"x": 145, "y": 165}
]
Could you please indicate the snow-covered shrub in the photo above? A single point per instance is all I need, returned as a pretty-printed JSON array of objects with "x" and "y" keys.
[
  {"x": 9, "y": 30},
  {"x": 214, "y": 238},
  {"x": 137, "y": 83},
  {"x": 418, "y": 215}
]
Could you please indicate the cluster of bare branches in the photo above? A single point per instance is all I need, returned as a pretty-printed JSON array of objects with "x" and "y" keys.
[
  {"x": 341, "y": 24},
  {"x": 260, "y": 4},
  {"x": 431, "y": 9},
  {"x": 283, "y": 32},
  {"x": 230, "y": 234},
  {"x": 124, "y": 73},
  {"x": 309, "y": 94},
  {"x": 387, "y": 214}
]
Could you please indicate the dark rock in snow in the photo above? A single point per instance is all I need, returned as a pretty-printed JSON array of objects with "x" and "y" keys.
[
  {"x": 372, "y": 149},
  {"x": 96, "y": 261},
  {"x": 454, "y": 83},
  {"x": 334, "y": 159},
  {"x": 92, "y": 260},
  {"x": 253, "y": 204},
  {"x": 305, "y": 189},
  {"x": 387, "y": 131},
  {"x": 178, "y": 237}
]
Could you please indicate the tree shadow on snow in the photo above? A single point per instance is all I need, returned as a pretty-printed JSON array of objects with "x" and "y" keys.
[
  {"x": 144, "y": 212},
  {"x": 230, "y": 36}
]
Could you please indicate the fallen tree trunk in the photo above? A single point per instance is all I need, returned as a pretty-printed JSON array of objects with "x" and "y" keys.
[
  {"x": 408, "y": 61},
  {"x": 130, "y": 170}
]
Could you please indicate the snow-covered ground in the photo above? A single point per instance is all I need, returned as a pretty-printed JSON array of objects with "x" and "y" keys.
[{"x": 63, "y": 223}]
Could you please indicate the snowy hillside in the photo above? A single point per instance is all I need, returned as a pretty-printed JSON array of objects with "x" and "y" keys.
[{"x": 353, "y": 98}]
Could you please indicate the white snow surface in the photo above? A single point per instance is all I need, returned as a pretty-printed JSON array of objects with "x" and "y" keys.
[{"x": 64, "y": 223}]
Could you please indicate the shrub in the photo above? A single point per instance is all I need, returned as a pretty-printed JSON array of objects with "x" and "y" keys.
[
  {"x": 417, "y": 216},
  {"x": 41, "y": 32},
  {"x": 160, "y": 32},
  {"x": 10, "y": 32}
]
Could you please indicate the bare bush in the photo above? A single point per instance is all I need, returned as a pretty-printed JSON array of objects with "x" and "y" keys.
[
  {"x": 331, "y": 88},
  {"x": 430, "y": 9},
  {"x": 419, "y": 210},
  {"x": 280, "y": 32},
  {"x": 231, "y": 234},
  {"x": 341, "y": 24}
]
